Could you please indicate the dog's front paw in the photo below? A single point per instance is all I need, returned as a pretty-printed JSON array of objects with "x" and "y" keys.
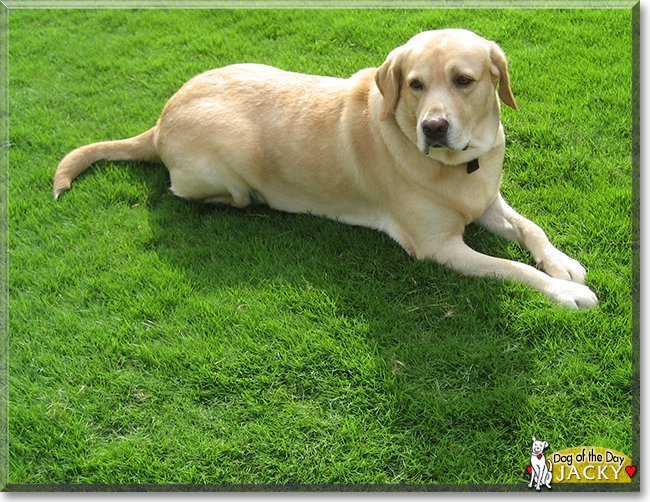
[
  {"x": 571, "y": 294},
  {"x": 558, "y": 265}
]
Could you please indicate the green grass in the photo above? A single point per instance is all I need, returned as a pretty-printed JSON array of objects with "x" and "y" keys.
[{"x": 155, "y": 340}]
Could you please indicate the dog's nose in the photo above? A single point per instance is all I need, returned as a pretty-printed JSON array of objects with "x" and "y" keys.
[{"x": 435, "y": 128}]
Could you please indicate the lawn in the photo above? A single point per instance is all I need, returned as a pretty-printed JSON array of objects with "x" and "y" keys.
[{"x": 155, "y": 340}]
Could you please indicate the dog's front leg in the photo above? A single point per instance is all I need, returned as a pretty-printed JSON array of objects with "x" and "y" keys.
[
  {"x": 541, "y": 475},
  {"x": 454, "y": 253},
  {"x": 501, "y": 219},
  {"x": 532, "y": 477}
]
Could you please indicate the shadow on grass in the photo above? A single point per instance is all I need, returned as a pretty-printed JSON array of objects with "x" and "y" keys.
[{"x": 450, "y": 372}]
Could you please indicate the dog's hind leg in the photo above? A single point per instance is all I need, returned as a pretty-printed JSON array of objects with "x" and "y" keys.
[
  {"x": 211, "y": 184},
  {"x": 242, "y": 200},
  {"x": 230, "y": 201},
  {"x": 219, "y": 200}
]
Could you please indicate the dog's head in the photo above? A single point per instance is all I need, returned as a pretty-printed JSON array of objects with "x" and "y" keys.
[
  {"x": 441, "y": 89},
  {"x": 539, "y": 446}
]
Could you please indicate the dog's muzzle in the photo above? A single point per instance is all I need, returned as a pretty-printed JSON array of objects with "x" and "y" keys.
[{"x": 436, "y": 134}]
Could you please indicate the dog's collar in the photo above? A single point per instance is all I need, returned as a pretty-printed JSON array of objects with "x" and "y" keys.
[{"x": 472, "y": 166}]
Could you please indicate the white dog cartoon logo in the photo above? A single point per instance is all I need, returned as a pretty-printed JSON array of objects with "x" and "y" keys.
[{"x": 540, "y": 473}]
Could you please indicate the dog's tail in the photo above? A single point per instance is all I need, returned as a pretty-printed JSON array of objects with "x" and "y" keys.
[{"x": 141, "y": 147}]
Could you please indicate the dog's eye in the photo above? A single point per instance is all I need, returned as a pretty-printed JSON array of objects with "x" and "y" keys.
[
  {"x": 464, "y": 81},
  {"x": 416, "y": 85}
]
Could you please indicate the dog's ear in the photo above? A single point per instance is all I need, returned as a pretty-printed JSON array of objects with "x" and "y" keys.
[
  {"x": 500, "y": 72},
  {"x": 534, "y": 439},
  {"x": 545, "y": 445},
  {"x": 389, "y": 79}
]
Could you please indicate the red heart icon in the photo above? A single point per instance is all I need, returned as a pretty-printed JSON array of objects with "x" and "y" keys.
[
  {"x": 530, "y": 471},
  {"x": 539, "y": 456},
  {"x": 630, "y": 469}
]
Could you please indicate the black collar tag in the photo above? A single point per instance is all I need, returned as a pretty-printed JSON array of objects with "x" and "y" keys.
[{"x": 472, "y": 166}]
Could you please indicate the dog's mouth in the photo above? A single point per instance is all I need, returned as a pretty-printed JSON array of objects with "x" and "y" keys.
[{"x": 443, "y": 144}]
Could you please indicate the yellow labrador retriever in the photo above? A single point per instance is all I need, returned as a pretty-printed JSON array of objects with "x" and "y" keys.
[{"x": 413, "y": 148}]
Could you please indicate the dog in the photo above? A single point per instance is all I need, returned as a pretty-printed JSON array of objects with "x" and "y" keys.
[
  {"x": 413, "y": 148},
  {"x": 541, "y": 473}
]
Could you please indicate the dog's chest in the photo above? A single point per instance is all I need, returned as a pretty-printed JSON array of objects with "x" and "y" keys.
[{"x": 470, "y": 194}]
